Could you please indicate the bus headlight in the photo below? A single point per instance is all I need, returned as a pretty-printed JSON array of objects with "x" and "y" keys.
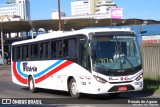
[
  {"x": 139, "y": 77},
  {"x": 99, "y": 79}
]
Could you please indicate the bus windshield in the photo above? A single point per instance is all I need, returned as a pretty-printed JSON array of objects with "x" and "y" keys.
[{"x": 115, "y": 52}]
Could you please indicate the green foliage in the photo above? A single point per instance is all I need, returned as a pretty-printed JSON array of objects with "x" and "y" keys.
[{"x": 152, "y": 85}]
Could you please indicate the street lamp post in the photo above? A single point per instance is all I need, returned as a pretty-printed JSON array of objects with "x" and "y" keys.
[
  {"x": 59, "y": 16},
  {"x": 2, "y": 44}
]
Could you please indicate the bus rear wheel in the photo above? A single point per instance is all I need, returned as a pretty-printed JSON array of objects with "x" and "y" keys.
[
  {"x": 31, "y": 85},
  {"x": 73, "y": 89}
]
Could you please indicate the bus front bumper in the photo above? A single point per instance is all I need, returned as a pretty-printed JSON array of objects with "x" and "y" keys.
[{"x": 100, "y": 88}]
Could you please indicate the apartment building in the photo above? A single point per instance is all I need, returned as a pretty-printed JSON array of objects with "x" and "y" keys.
[
  {"x": 88, "y": 7},
  {"x": 16, "y": 7}
]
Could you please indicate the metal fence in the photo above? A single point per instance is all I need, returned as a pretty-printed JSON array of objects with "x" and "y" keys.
[{"x": 151, "y": 61}]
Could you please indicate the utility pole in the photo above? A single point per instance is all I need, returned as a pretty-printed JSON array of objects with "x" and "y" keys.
[
  {"x": 59, "y": 16},
  {"x": 2, "y": 44}
]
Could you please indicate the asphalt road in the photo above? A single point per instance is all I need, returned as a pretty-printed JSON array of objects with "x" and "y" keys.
[{"x": 9, "y": 90}]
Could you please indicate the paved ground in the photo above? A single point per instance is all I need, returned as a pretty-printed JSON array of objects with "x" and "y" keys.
[{"x": 5, "y": 69}]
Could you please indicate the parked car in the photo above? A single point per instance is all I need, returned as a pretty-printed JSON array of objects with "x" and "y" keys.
[{"x": 5, "y": 58}]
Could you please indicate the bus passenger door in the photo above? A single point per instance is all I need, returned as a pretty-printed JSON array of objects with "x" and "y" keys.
[
  {"x": 82, "y": 55},
  {"x": 83, "y": 59}
]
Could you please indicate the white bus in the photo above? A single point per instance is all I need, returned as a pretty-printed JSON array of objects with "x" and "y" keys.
[{"x": 92, "y": 61}]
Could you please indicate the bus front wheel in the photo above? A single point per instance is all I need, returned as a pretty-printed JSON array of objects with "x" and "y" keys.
[
  {"x": 31, "y": 85},
  {"x": 73, "y": 89}
]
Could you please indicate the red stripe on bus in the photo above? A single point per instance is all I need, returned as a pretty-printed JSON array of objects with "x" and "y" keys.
[
  {"x": 19, "y": 78},
  {"x": 60, "y": 67}
]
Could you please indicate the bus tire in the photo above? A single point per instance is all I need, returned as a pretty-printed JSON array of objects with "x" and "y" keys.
[
  {"x": 73, "y": 89},
  {"x": 31, "y": 85}
]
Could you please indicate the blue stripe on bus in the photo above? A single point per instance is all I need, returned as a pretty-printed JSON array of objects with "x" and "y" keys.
[
  {"x": 19, "y": 70},
  {"x": 47, "y": 69}
]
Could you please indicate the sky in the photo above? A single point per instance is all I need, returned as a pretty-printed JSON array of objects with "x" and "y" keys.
[{"x": 141, "y": 9}]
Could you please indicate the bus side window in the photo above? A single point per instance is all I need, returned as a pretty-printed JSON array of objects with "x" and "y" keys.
[
  {"x": 25, "y": 52},
  {"x": 53, "y": 49},
  {"x": 58, "y": 49},
  {"x": 18, "y": 53},
  {"x": 45, "y": 51},
  {"x": 34, "y": 51},
  {"x": 14, "y": 53},
  {"x": 69, "y": 49},
  {"x": 44, "y": 48},
  {"x": 65, "y": 48}
]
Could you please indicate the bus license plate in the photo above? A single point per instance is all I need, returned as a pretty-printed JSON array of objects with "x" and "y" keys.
[{"x": 122, "y": 88}]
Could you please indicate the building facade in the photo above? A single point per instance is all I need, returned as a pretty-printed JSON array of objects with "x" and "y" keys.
[
  {"x": 80, "y": 7},
  {"x": 23, "y": 9},
  {"x": 104, "y": 6},
  {"x": 88, "y": 7},
  {"x": 18, "y": 7}
]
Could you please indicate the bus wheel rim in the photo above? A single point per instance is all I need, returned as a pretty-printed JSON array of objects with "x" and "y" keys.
[
  {"x": 31, "y": 84},
  {"x": 74, "y": 88}
]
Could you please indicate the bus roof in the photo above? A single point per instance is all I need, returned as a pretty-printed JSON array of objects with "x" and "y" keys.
[{"x": 57, "y": 34}]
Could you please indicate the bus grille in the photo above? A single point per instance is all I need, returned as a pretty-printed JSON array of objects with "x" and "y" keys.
[{"x": 120, "y": 82}]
